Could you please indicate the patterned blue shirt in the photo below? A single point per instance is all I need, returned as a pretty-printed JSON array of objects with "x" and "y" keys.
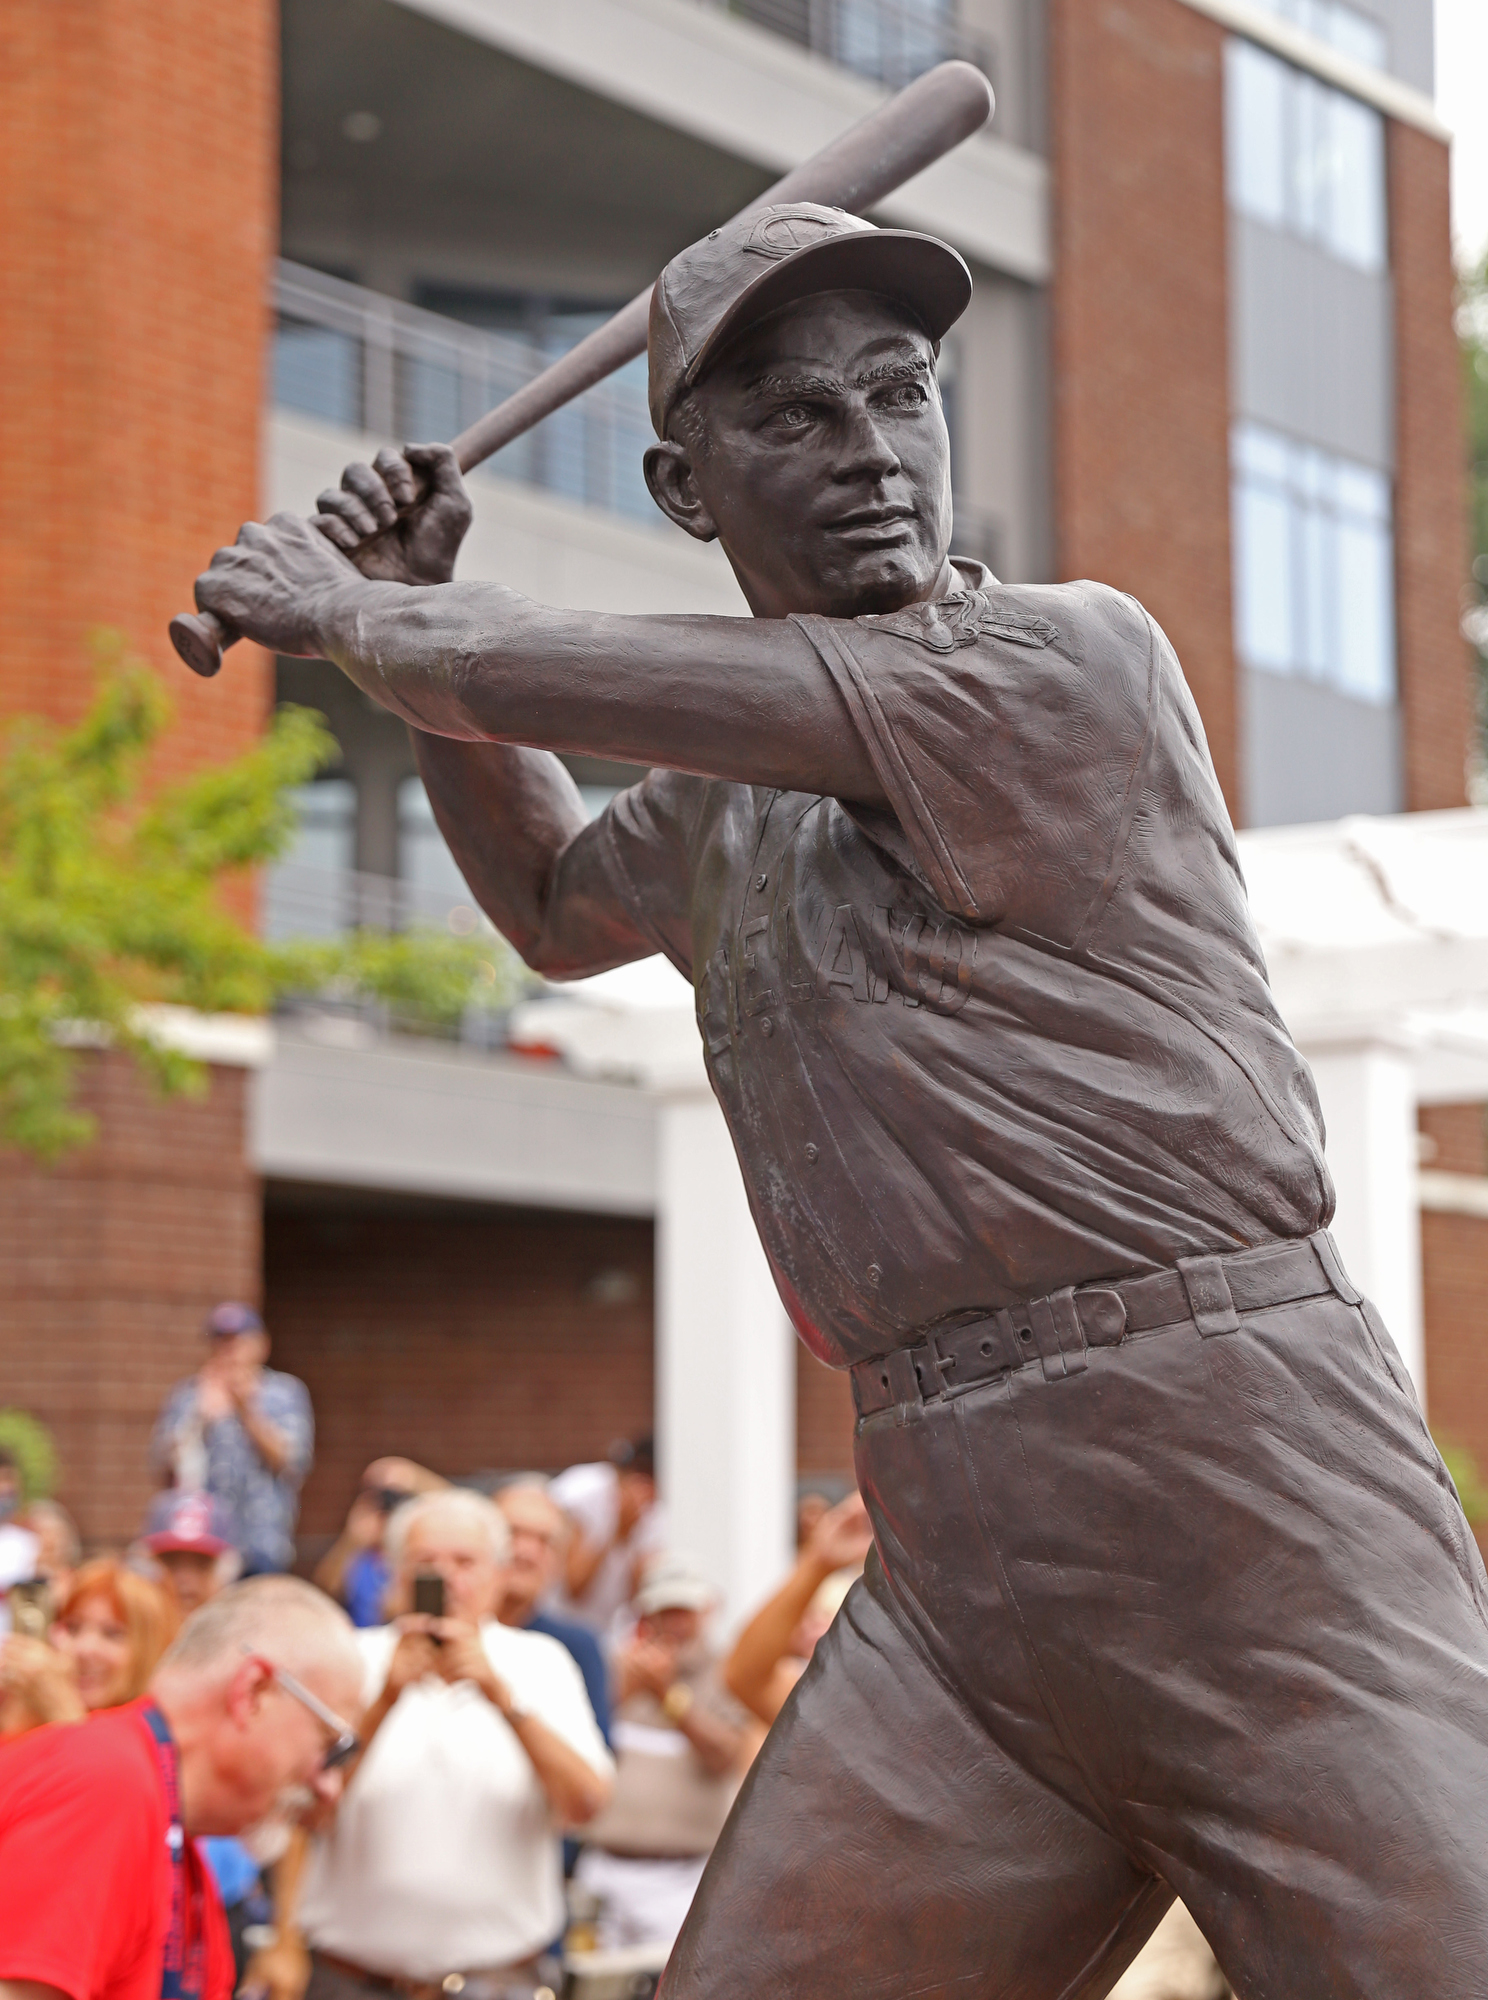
[{"x": 262, "y": 1505}]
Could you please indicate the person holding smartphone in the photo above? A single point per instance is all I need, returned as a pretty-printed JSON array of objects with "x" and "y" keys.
[
  {"x": 354, "y": 1568},
  {"x": 442, "y": 1863}
]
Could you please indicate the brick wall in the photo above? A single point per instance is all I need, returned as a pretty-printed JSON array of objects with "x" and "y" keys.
[
  {"x": 824, "y": 1416},
  {"x": 1431, "y": 535},
  {"x": 1140, "y": 339},
  {"x": 138, "y": 156},
  {"x": 461, "y": 1338},
  {"x": 109, "y": 1263},
  {"x": 479, "y": 1337}
]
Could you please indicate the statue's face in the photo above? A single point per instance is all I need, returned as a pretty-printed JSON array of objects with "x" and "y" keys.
[{"x": 827, "y": 471}]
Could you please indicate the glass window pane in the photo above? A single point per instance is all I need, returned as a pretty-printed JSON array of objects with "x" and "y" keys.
[
  {"x": 1362, "y": 491},
  {"x": 318, "y": 372},
  {"x": 1366, "y": 612},
  {"x": 429, "y": 398},
  {"x": 425, "y": 864},
  {"x": 306, "y": 888},
  {"x": 1353, "y": 36},
  {"x": 1255, "y": 147},
  {"x": 1263, "y": 578},
  {"x": 1262, "y": 454},
  {"x": 1355, "y": 165},
  {"x": 1314, "y": 555}
]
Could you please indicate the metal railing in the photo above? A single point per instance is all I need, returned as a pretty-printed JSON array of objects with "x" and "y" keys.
[
  {"x": 301, "y": 901},
  {"x": 890, "y": 41},
  {"x": 357, "y": 358}
]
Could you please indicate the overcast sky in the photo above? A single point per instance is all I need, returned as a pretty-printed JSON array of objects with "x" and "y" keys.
[{"x": 1462, "y": 99}]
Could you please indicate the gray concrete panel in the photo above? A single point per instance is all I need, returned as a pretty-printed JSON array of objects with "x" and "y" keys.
[
  {"x": 1408, "y": 28},
  {"x": 1312, "y": 753},
  {"x": 1311, "y": 344}
]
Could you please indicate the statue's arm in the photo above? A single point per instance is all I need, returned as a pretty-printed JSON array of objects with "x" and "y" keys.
[
  {"x": 735, "y": 698},
  {"x": 514, "y": 823}
]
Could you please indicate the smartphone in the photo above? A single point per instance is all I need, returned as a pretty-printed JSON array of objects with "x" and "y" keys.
[
  {"x": 31, "y": 1607},
  {"x": 428, "y": 1594}
]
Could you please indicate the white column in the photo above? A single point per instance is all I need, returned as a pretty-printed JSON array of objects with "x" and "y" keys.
[
  {"x": 1369, "y": 1106},
  {"x": 725, "y": 1366}
]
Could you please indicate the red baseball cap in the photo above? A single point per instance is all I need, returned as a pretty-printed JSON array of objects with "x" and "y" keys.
[{"x": 187, "y": 1523}]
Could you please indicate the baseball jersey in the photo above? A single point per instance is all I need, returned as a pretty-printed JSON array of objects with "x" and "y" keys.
[{"x": 1013, "y": 1033}]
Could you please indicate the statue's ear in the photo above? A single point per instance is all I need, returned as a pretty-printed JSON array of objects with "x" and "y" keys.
[{"x": 673, "y": 488}]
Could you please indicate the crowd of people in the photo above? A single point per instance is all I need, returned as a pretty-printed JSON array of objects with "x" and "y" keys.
[
  {"x": 547, "y": 1737},
  {"x": 506, "y": 1734}
]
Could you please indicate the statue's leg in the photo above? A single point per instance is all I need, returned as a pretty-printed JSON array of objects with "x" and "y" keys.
[
  {"x": 1257, "y": 1622},
  {"x": 884, "y": 1846}
]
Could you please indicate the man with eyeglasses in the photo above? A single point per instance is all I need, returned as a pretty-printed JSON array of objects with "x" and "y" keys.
[{"x": 104, "y": 1894}]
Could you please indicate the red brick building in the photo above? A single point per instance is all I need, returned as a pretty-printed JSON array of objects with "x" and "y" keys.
[{"x": 1179, "y": 348}]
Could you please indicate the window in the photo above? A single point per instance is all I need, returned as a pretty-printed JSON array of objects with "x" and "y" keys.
[
  {"x": 1343, "y": 28},
  {"x": 306, "y": 893},
  {"x": 1314, "y": 551},
  {"x": 1304, "y": 157},
  {"x": 425, "y": 864}
]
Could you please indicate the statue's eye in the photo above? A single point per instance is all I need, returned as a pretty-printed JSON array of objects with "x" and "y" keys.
[{"x": 794, "y": 415}]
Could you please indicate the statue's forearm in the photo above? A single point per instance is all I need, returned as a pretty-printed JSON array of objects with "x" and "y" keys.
[
  {"x": 744, "y": 699},
  {"x": 514, "y": 823}
]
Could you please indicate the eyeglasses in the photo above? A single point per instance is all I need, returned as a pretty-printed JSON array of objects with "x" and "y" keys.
[{"x": 346, "y": 1742}]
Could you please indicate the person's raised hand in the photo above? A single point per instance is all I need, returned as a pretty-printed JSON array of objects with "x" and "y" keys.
[
  {"x": 277, "y": 583},
  {"x": 646, "y": 1663},
  {"x": 214, "y": 1396},
  {"x": 41, "y": 1677},
  {"x": 843, "y": 1536},
  {"x": 364, "y": 1519},
  {"x": 414, "y": 1656},
  {"x": 402, "y": 518},
  {"x": 462, "y": 1657}
]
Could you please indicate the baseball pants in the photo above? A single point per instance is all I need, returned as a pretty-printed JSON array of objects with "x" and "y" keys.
[{"x": 1205, "y": 1618}]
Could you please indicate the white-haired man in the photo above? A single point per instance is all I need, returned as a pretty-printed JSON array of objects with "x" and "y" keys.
[
  {"x": 103, "y": 1895},
  {"x": 442, "y": 1868}
]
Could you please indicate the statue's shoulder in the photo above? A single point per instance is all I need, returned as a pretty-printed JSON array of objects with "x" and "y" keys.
[{"x": 1075, "y": 619}]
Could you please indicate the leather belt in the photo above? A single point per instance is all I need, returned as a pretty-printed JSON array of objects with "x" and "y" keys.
[
  {"x": 488, "y": 1980},
  {"x": 1057, "y": 1330}
]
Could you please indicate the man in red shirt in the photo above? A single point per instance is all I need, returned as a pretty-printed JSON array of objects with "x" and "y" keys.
[{"x": 103, "y": 1895}]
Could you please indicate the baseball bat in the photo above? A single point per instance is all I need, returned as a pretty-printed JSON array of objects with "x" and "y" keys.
[{"x": 867, "y": 162}]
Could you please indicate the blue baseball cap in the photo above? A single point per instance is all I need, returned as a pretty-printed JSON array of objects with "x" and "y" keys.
[{"x": 227, "y": 1321}]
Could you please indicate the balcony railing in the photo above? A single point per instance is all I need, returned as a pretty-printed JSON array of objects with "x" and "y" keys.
[
  {"x": 890, "y": 41},
  {"x": 370, "y": 363},
  {"x": 357, "y": 358},
  {"x": 304, "y": 901}
]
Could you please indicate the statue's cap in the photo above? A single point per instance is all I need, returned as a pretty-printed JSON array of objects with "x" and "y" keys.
[{"x": 763, "y": 260}]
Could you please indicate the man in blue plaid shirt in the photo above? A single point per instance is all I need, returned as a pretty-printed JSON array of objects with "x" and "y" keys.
[{"x": 245, "y": 1434}]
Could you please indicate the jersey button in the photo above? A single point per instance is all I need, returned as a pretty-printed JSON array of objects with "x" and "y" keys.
[
  {"x": 767, "y": 1027},
  {"x": 811, "y": 1154},
  {"x": 760, "y": 881}
]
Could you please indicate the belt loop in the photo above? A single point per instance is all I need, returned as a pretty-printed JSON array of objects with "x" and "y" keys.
[
  {"x": 1326, "y": 1251},
  {"x": 1059, "y": 1334},
  {"x": 904, "y": 1384},
  {"x": 1209, "y": 1297}
]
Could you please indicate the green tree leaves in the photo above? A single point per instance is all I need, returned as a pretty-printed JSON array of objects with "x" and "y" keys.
[{"x": 111, "y": 901}]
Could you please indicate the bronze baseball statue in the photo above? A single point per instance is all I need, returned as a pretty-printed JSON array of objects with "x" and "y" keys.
[{"x": 1171, "y": 1591}]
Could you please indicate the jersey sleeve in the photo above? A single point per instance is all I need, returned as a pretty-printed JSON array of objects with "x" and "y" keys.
[
  {"x": 646, "y": 833},
  {"x": 1008, "y": 729},
  {"x": 79, "y": 1887}
]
